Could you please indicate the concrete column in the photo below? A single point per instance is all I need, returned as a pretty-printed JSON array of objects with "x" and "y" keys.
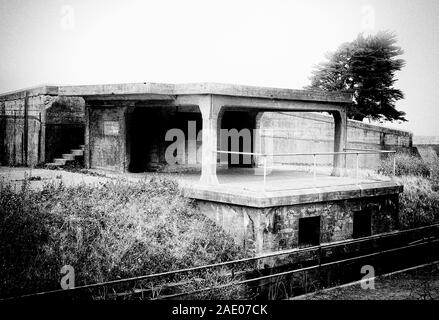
[
  {"x": 210, "y": 112},
  {"x": 222, "y": 159},
  {"x": 340, "y": 140},
  {"x": 257, "y": 138},
  {"x": 3, "y": 157},
  {"x": 126, "y": 108},
  {"x": 87, "y": 154}
]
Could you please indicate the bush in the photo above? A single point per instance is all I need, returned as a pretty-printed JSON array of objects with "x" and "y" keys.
[
  {"x": 406, "y": 165},
  {"x": 115, "y": 230},
  {"x": 419, "y": 203}
]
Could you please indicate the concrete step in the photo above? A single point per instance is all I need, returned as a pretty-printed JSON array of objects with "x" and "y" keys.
[
  {"x": 60, "y": 161},
  {"x": 68, "y": 156},
  {"x": 53, "y": 164},
  {"x": 77, "y": 152}
]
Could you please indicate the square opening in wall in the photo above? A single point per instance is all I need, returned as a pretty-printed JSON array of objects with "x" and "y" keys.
[
  {"x": 362, "y": 224},
  {"x": 309, "y": 231}
]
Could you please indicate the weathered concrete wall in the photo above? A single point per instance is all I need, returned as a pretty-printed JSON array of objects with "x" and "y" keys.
[
  {"x": 26, "y": 127},
  {"x": 311, "y": 132},
  {"x": 15, "y": 150},
  {"x": 264, "y": 230},
  {"x": 107, "y": 138}
]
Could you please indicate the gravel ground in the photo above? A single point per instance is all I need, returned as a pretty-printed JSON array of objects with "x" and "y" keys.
[
  {"x": 419, "y": 284},
  {"x": 39, "y": 177}
]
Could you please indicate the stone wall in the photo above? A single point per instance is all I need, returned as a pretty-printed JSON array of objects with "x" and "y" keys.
[
  {"x": 107, "y": 138},
  {"x": 263, "y": 230}
]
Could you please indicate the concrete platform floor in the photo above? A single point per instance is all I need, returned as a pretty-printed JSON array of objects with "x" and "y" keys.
[
  {"x": 282, "y": 179},
  {"x": 247, "y": 180},
  {"x": 279, "y": 179}
]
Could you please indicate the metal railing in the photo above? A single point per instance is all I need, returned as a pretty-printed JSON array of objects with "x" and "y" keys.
[{"x": 348, "y": 151}]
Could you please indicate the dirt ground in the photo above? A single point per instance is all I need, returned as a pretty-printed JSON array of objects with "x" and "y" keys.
[
  {"x": 419, "y": 284},
  {"x": 39, "y": 177}
]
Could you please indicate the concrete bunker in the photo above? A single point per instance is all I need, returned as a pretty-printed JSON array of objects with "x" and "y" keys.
[{"x": 127, "y": 130}]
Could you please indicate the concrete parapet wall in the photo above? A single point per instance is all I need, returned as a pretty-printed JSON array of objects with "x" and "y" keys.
[{"x": 312, "y": 132}]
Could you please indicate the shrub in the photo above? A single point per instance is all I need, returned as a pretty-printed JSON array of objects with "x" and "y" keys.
[
  {"x": 106, "y": 232},
  {"x": 419, "y": 203},
  {"x": 405, "y": 165}
]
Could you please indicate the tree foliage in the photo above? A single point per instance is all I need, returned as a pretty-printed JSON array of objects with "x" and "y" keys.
[{"x": 366, "y": 67}]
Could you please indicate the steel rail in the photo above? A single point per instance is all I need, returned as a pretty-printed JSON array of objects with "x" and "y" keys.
[
  {"x": 294, "y": 271},
  {"x": 233, "y": 262}
]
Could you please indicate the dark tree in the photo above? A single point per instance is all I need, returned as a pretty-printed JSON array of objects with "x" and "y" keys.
[{"x": 366, "y": 67}]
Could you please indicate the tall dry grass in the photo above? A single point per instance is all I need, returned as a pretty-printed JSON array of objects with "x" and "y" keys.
[
  {"x": 419, "y": 203},
  {"x": 113, "y": 231}
]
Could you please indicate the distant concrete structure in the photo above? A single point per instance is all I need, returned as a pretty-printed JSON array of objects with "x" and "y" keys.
[{"x": 427, "y": 147}]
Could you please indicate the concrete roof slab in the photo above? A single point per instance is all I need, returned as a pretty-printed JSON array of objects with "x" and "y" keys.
[{"x": 204, "y": 88}]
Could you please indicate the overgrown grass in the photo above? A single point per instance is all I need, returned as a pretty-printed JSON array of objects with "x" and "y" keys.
[
  {"x": 419, "y": 203},
  {"x": 406, "y": 165},
  {"x": 113, "y": 231}
]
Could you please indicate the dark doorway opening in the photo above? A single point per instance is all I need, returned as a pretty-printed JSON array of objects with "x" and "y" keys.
[
  {"x": 244, "y": 122},
  {"x": 362, "y": 224},
  {"x": 146, "y": 137},
  {"x": 309, "y": 231},
  {"x": 144, "y": 129}
]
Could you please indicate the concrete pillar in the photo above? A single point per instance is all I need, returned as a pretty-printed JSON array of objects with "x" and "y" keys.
[
  {"x": 257, "y": 138},
  {"x": 210, "y": 113},
  {"x": 223, "y": 159},
  {"x": 3, "y": 157},
  {"x": 87, "y": 154},
  {"x": 126, "y": 109},
  {"x": 340, "y": 140}
]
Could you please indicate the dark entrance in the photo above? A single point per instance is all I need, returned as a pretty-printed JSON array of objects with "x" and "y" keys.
[
  {"x": 146, "y": 131},
  {"x": 362, "y": 224},
  {"x": 244, "y": 124},
  {"x": 309, "y": 231}
]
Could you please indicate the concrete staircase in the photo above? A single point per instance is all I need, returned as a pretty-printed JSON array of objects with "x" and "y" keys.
[{"x": 75, "y": 154}]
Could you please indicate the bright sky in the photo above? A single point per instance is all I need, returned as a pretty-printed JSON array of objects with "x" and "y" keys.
[{"x": 267, "y": 43}]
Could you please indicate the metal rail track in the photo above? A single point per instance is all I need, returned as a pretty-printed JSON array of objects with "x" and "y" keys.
[{"x": 287, "y": 263}]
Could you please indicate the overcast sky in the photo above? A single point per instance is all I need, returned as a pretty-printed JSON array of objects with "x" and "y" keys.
[{"x": 267, "y": 43}]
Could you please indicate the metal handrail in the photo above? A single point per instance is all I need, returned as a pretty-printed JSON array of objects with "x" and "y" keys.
[
  {"x": 314, "y": 154},
  {"x": 363, "y": 151}
]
